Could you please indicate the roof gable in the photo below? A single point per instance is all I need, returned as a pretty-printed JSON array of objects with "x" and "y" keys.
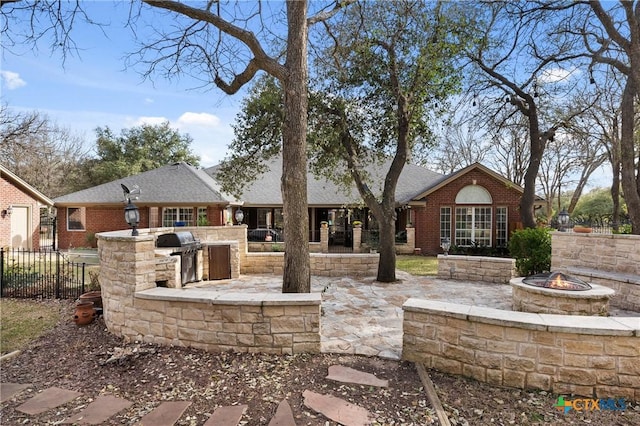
[
  {"x": 454, "y": 176},
  {"x": 24, "y": 186},
  {"x": 174, "y": 184}
]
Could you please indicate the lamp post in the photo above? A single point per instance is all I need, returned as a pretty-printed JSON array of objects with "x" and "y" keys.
[
  {"x": 563, "y": 220},
  {"x": 239, "y": 216}
]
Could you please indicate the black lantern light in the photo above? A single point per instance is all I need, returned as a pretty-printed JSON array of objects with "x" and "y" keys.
[
  {"x": 131, "y": 212},
  {"x": 445, "y": 243},
  {"x": 563, "y": 220},
  {"x": 7, "y": 212},
  {"x": 239, "y": 216}
]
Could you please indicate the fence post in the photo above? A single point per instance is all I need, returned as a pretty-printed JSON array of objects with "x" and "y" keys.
[
  {"x": 55, "y": 232},
  {"x": 82, "y": 278},
  {"x": 57, "y": 274},
  {"x": 1, "y": 271}
]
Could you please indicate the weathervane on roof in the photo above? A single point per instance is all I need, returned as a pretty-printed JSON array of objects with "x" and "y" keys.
[
  {"x": 131, "y": 212},
  {"x": 129, "y": 194}
]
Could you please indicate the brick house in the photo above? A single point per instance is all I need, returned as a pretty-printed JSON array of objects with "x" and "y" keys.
[
  {"x": 20, "y": 206},
  {"x": 176, "y": 194},
  {"x": 471, "y": 206},
  {"x": 474, "y": 205}
]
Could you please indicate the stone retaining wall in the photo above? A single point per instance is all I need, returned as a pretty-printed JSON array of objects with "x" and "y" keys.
[
  {"x": 476, "y": 268},
  {"x": 328, "y": 265},
  {"x": 560, "y": 353},
  {"x": 134, "y": 308},
  {"x": 606, "y": 259},
  {"x": 240, "y": 322},
  {"x": 603, "y": 252}
]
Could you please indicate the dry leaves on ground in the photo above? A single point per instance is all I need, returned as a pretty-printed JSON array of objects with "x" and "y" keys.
[{"x": 93, "y": 361}]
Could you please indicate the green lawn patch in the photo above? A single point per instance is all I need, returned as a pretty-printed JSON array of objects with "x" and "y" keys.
[
  {"x": 24, "y": 320},
  {"x": 417, "y": 265}
]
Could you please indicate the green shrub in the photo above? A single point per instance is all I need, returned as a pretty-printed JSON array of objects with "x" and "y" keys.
[{"x": 532, "y": 250}]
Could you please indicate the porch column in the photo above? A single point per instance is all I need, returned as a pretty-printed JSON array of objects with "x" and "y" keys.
[
  {"x": 324, "y": 238},
  {"x": 357, "y": 239},
  {"x": 411, "y": 239}
]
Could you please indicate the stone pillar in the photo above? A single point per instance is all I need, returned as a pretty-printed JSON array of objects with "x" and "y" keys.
[
  {"x": 324, "y": 238},
  {"x": 357, "y": 239},
  {"x": 127, "y": 265},
  {"x": 411, "y": 238}
]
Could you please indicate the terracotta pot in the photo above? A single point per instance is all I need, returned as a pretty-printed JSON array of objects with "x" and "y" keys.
[
  {"x": 582, "y": 229},
  {"x": 85, "y": 313},
  {"x": 92, "y": 296}
]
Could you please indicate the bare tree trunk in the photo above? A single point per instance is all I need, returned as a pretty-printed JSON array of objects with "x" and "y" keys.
[
  {"x": 615, "y": 195},
  {"x": 387, "y": 262},
  {"x": 537, "y": 150},
  {"x": 628, "y": 157},
  {"x": 297, "y": 270}
]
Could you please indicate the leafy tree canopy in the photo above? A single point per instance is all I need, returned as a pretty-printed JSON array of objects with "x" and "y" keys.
[
  {"x": 597, "y": 203},
  {"x": 136, "y": 150}
]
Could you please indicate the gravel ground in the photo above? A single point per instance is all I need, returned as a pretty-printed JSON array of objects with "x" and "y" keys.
[{"x": 91, "y": 360}]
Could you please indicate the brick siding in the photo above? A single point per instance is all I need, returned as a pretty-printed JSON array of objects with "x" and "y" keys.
[
  {"x": 10, "y": 195},
  {"x": 427, "y": 219}
]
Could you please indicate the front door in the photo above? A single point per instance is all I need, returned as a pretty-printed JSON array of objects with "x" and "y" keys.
[{"x": 20, "y": 237}]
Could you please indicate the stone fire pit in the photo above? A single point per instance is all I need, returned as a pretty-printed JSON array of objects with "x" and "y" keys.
[{"x": 592, "y": 299}]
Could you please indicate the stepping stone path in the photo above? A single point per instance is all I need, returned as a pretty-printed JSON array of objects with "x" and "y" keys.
[
  {"x": 169, "y": 412},
  {"x": 99, "y": 410},
  {"x": 8, "y": 390}
]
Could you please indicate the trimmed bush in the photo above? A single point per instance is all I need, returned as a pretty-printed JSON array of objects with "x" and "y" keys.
[{"x": 532, "y": 250}]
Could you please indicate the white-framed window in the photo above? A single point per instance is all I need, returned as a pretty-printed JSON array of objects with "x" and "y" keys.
[
  {"x": 203, "y": 220},
  {"x": 502, "y": 233},
  {"x": 75, "y": 218},
  {"x": 445, "y": 223},
  {"x": 473, "y": 226},
  {"x": 177, "y": 216}
]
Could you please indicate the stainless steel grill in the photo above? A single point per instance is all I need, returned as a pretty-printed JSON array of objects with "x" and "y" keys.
[{"x": 186, "y": 246}]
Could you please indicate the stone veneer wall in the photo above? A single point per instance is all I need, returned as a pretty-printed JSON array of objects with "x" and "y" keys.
[
  {"x": 328, "y": 265},
  {"x": 134, "y": 308},
  {"x": 606, "y": 259},
  {"x": 560, "y": 353},
  {"x": 476, "y": 268}
]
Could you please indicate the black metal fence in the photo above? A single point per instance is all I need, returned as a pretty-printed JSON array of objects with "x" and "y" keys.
[
  {"x": 47, "y": 232},
  {"x": 40, "y": 274}
]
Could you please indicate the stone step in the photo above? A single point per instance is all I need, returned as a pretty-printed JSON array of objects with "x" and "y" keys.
[
  {"x": 283, "y": 416},
  {"x": 166, "y": 414},
  {"x": 99, "y": 410},
  {"x": 47, "y": 399},
  {"x": 337, "y": 409},
  {"x": 339, "y": 373},
  {"x": 9, "y": 390},
  {"x": 226, "y": 416}
]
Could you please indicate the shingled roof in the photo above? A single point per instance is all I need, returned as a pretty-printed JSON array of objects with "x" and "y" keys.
[
  {"x": 175, "y": 184},
  {"x": 265, "y": 189},
  {"x": 24, "y": 186}
]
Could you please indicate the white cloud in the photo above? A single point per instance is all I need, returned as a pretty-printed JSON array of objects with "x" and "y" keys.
[
  {"x": 554, "y": 75},
  {"x": 152, "y": 121},
  {"x": 198, "y": 119},
  {"x": 148, "y": 101},
  {"x": 12, "y": 80}
]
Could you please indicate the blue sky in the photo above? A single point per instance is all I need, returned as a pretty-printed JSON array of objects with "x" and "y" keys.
[{"x": 95, "y": 90}]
